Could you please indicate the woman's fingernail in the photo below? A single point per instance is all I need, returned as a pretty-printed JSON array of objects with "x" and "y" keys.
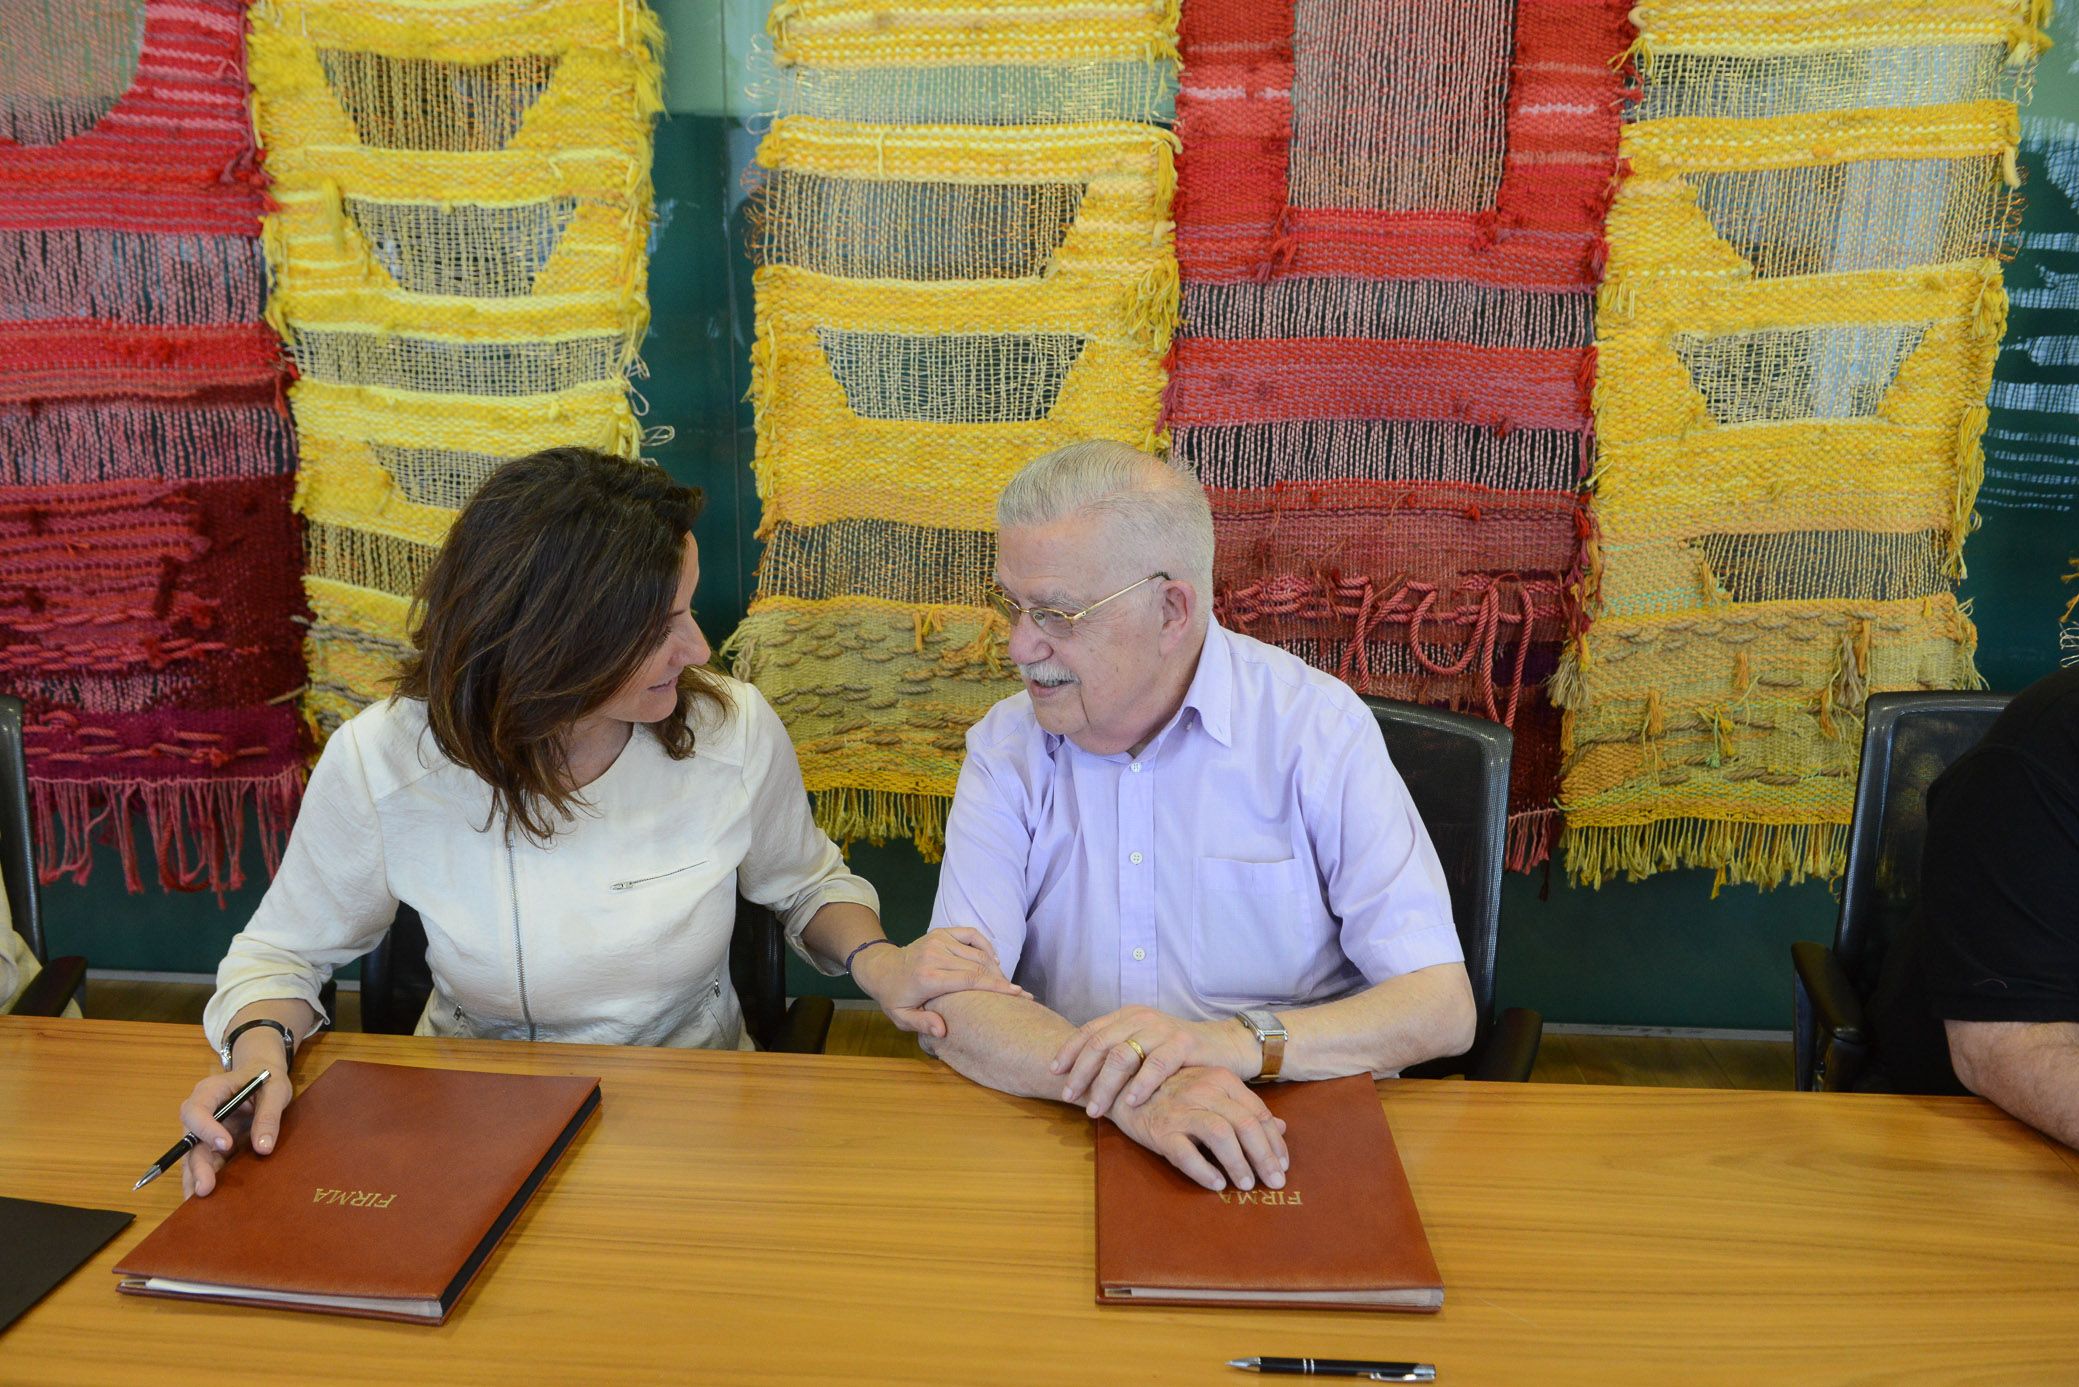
[
  {"x": 263, "y": 1144},
  {"x": 223, "y": 1143}
]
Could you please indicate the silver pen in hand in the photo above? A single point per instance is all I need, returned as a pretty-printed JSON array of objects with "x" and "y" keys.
[{"x": 190, "y": 1141}]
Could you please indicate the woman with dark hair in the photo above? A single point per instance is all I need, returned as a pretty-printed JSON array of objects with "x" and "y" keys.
[{"x": 569, "y": 798}]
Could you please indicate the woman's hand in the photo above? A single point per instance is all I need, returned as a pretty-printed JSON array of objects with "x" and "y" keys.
[
  {"x": 257, "y": 1050},
  {"x": 903, "y": 979},
  {"x": 1129, "y": 1053}
]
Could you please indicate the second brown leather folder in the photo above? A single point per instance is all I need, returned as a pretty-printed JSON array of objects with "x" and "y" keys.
[{"x": 1342, "y": 1234}]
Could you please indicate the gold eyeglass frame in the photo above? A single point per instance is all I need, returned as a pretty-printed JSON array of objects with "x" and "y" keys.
[{"x": 1011, "y": 611}]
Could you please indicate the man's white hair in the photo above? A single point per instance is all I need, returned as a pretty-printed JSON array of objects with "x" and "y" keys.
[{"x": 1150, "y": 508}]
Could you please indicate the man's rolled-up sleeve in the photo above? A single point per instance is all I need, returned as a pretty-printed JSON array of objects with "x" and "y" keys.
[
  {"x": 1383, "y": 878},
  {"x": 981, "y": 883}
]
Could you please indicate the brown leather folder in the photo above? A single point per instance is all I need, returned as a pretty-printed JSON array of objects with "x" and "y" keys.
[
  {"x": 385, "y": 1195},
  {"x": 1343, "y": 1234}
]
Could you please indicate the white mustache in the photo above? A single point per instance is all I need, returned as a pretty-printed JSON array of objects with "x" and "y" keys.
[{"x": 1046, "y": 672}]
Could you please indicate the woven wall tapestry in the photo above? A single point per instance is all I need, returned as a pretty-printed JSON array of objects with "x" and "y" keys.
[
  {"x": 1389, "y": 226},
  {"x": 2068, "y": 624},
  {"x": 2032, "y": 437},
  {"x": 964, "y": 261},
  {"x": 463, "y": 200},
  {"x": 1796, "y": 334},
  {"x": 148, "y": 556}
]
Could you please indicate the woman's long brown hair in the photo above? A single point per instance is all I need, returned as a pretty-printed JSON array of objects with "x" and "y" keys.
[{"x": 553, "y": 587}]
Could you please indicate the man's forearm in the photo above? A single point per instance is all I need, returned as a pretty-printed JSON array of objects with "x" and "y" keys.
[
  {"x": 2030, "y": 1069},
  {"x": 1383, "y": 1029},
  {"x": 1003, "y": 1041}
]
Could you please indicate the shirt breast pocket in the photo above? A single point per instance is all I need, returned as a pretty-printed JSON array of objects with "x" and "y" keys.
[{"x": 1259, "y": 929}]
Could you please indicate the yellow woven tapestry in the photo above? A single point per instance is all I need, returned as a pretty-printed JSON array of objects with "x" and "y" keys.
[
  {"x": 965, "y": 260},
  {"x": 459, "y": 269},
  {"x": 1796, "y": 333}
]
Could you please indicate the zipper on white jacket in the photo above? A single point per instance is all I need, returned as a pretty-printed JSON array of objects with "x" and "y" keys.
[
  {"x": 512, "y": 881},
  {"x": 644, "y": 881}
]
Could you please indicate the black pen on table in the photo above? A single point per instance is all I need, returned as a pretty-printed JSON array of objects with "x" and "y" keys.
[
  {"x": 189, "y": 1141},
  {"x": 1339, "y": 1367}
]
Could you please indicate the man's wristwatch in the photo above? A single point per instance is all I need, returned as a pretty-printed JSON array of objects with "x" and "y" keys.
[
  {"x": 288, "y": 1037},
  {"x": 1270, "y": 1034}
]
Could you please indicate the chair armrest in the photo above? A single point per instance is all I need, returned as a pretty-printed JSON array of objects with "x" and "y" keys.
[
  {"x": 1836, "y": 1009},
  {"x": 52, "y": 988},
  {"x": 806, "y": 1027},
  {"x": 1512, "y": 1050}
]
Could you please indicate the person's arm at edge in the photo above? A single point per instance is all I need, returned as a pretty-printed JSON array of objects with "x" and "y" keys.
[{"x": 2028, "y": 1068}]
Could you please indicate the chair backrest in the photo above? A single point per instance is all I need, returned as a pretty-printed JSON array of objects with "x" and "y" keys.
[
  {"x": 1908, "y": 740},
  {"x": 17, "y": 846},
  {"x": 1457, "y": 771},
  {"x": 395, "y": 981}
]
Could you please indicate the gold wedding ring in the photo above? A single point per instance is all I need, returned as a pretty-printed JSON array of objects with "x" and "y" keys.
[{"x": 1137, "y": 1047}]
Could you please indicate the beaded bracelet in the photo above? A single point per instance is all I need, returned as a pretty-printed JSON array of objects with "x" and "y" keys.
[{"x": 884, "y": 939}]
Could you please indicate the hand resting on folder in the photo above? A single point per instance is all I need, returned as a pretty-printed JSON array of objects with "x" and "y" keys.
[
  {"x": 1208, "y": 1125},
  {"x": 260, "y": 1121}
]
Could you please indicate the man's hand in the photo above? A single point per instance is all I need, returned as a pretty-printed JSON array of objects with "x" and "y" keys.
[
  {"x": 1137, "y": 1049},
  {"x": 940, "y": 961},
  {"x": 1200, "y": 1113}
]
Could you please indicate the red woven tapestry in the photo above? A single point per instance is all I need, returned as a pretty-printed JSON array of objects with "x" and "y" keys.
[
  {"x": 149, "y": 563},
  {"x": 1389, "y": 224}
]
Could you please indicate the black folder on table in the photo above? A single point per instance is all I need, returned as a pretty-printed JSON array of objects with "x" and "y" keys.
[{"x": 45, "y": 1244}]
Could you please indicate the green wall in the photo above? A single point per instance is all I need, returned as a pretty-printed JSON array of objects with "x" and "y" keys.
[{"x": 1660, "y": 952}]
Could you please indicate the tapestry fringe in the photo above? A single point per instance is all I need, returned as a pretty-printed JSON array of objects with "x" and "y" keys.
[
  {"x": 1767, "y": 855},
  {"x": 197, "y": 828},
  {"x": 1532, "y": 834},
  {"x": 848, "y": 813}
]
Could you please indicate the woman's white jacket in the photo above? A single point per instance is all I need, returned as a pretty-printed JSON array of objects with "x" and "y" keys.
[{"x": 614, "y": 932}]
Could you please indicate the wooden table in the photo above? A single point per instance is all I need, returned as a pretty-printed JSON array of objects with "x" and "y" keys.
[{"x": 765, "y": 1218}]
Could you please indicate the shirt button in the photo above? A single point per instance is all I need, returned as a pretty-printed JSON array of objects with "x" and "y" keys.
[
  {"x": 1135, "y": 768},
  {"x": 1139, "y": 954},
  {"x": 1135, "y": 859}
]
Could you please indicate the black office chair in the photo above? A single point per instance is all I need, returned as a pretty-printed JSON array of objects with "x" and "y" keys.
[
  {"x": 1908, "y": 740},
  {"x": 1457, "y": 771},
  {"x": 395, "y": 983},
  {"x": 62, "y": 979}
]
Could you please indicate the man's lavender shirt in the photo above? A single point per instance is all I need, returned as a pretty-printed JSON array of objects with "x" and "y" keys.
[{"x": 1261, "y": 851}]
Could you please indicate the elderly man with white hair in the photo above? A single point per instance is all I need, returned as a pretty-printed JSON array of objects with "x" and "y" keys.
[{"x": 1189, "y": 846}]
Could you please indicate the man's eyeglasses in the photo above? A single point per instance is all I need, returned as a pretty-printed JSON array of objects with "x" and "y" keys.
[{"x": 1053, "y": 623}]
